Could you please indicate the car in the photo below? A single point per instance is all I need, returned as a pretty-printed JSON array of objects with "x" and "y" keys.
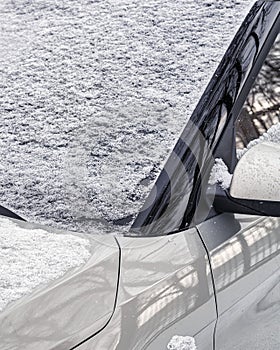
[{"x": 200, "y": 266}]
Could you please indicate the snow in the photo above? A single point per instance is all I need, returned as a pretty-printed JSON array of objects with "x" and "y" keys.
[
  {"x": 32, "y": 257},
  {"x": 93, "y": 95},
  {"x": 220, "y": 174},
  {"x": 181, "y": 343},
  {"x": 272, "y": 135}
]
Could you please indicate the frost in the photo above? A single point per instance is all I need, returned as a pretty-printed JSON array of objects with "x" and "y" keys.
[
  {"x": 220, "y": 174},
  {"x": 181, "y": 343},
  {"x": 272, "y": 135},
  {"x": 31, "y": 257}
]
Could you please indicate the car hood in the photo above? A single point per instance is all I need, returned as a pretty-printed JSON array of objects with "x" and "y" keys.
[{"x": 62, "y": 313}]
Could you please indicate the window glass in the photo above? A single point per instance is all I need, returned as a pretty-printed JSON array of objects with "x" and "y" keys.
[{"x": 261, "y": 110}]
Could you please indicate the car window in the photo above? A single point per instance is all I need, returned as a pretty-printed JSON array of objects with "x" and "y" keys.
[{"x": 262, "y": 107}]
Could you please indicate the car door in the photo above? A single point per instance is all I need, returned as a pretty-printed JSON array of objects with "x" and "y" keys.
[
  {"x": 244, "y": 249},
  {"x": 244, "y": 252},
  {"x": 165, "y": 290}
]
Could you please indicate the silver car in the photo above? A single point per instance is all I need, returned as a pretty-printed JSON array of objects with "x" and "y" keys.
[{"x": 200, "y": 266}]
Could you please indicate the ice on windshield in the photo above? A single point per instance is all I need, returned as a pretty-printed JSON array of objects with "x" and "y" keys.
[
  {"x": 31, "y": 257},
  {"x": 93, "y": 96}
]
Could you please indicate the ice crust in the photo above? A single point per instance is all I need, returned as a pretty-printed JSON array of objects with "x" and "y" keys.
[
  {"x": 31, "y": 257},
  {"x": 181, "y": 343},
  {"x": 93, "y": 95}
]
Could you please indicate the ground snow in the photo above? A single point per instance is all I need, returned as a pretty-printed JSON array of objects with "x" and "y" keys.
[
  {"x": 30, "y": 257},
  {"x": 181, "y": 343},
  {"x": 93, "y": 95}
]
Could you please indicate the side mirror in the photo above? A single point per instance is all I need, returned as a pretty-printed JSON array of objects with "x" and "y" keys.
[
  {"x": 257, "y": 174},
  {"x": 255, "y": 185}
]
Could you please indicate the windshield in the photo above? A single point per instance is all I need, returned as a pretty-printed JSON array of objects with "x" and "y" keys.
[
  {"x": 93, "y": 96},
  {"x": 181, "y": 197}
]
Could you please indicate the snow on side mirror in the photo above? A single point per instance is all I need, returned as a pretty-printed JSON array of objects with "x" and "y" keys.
[{"x": 257, "y": 174}]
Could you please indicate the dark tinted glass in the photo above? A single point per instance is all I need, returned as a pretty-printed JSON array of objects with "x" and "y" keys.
[{"x": 262, "y": 107}]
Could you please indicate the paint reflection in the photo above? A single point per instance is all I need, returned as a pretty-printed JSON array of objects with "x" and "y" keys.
[
  {"x": 246, "y": 251},
  {"x": 164, "y": 284},
  {"x": 156, "y": 302}
]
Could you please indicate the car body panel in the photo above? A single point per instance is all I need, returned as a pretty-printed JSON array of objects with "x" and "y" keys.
[
  {"x": 245, "y": 258},
  {"x": 165, "y": 290},
  {"x": 68, "y": 309}
]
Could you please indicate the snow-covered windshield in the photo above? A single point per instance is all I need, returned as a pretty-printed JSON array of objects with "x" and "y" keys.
[{"x": 93, "y": 96}]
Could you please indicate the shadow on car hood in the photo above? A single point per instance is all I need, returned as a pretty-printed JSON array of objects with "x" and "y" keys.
[{"x": 64, "y": 312}]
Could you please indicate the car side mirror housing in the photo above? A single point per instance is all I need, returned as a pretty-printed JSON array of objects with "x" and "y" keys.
[
  {"x": 257, "y": 174},
  {"x": 255, "y": 185}
]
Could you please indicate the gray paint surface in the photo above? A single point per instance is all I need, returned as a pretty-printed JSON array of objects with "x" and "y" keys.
[
  {"x": 165, "y": 289},
  {"x": 245, "y": 259}
]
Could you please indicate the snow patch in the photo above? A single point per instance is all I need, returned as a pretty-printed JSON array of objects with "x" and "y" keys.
[
  {"x": 181, "y": 343},
  {"x": 272, "y": 135},
  {"x": 220, "y": 174},
  {"x": 30, "y": 257}
]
